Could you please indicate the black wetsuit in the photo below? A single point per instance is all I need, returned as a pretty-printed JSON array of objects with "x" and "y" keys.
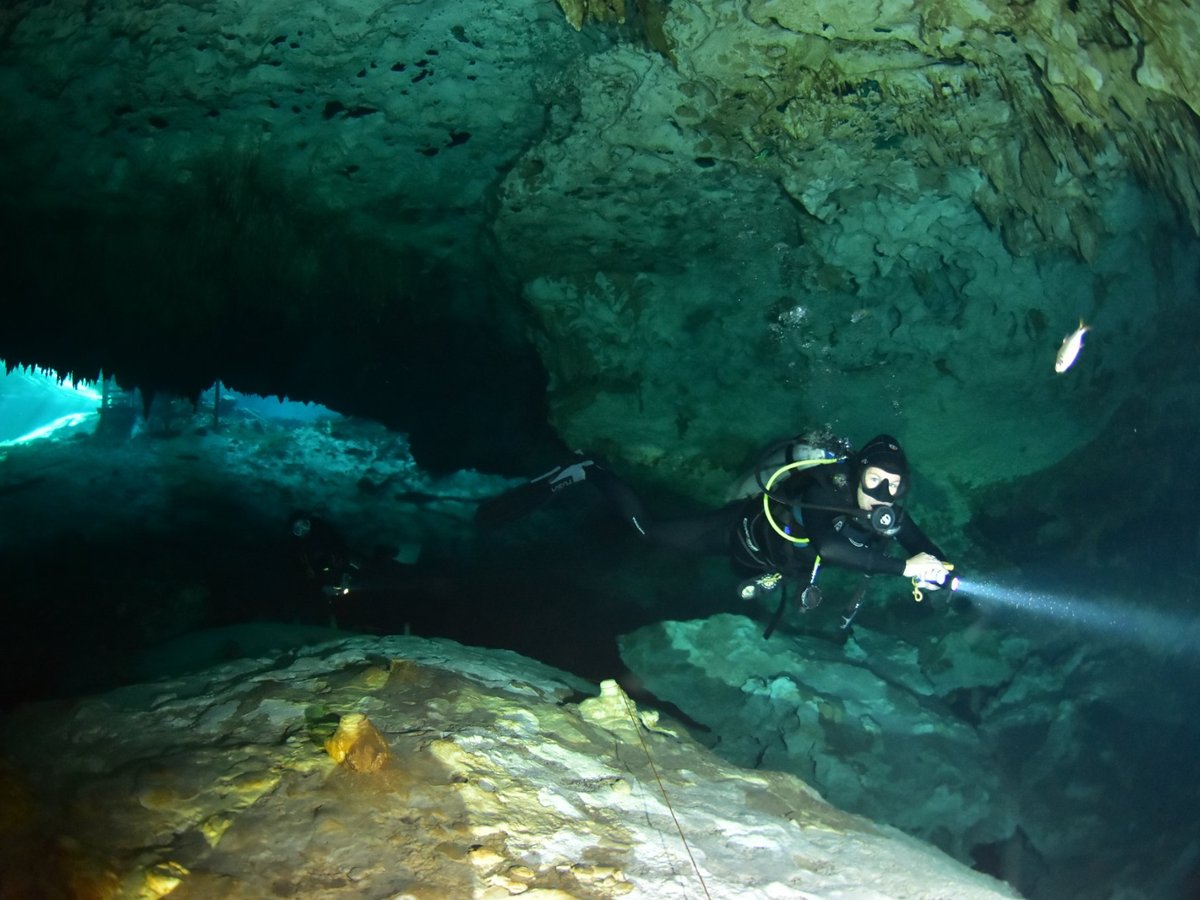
[
  {"x": 741, "y": 530},
  {"x": 825, "y": 502}
]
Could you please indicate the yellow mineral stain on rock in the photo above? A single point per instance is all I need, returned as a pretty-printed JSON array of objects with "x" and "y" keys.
[
  {"x": 374, "y": 678},
  {"x": 452, "y": 756},
  {"x": 214, "y": 829},
  {"x": 612, "y": 710},
  {"x": 593, "y": 874},
  {"x": 406, "y": 673},
  {"x": 506, "y": 884},
  {"x": 521, "y": 873},
  {"x": 358, "y": 745},
  {"x": 163, "y": 879},
  {"x": 484, "y": 858},
  {"x": 158, "y": 798}
]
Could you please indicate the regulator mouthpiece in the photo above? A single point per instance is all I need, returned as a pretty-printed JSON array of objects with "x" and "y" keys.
[{"x": 885, "y": 520}]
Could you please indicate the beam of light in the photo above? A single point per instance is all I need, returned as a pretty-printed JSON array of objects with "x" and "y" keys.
[
  {"x": 53, "y": 382},
  {"x": 1132, "y": 621},
  {"x": 67, "y": 421},
  {"x": 37, "y": 403}
]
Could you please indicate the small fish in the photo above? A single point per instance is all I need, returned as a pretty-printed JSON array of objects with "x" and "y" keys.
[{"x": 1070, "y": 348}]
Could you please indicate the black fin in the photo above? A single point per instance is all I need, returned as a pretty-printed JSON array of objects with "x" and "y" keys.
[
  {"x": 513, "y": 504},
  {"x": 778, "y": 616}
]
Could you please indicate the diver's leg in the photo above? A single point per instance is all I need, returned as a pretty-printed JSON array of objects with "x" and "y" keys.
[
  {"x": 524, "y": 499},
  {"x": 707, "y": 533},
  {"x": 710, "y": 534},
  {"x": 620, "y": 496}
]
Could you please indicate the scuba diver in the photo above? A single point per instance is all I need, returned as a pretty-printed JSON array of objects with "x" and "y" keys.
[
  {"x": 806, "y": 507},
  {"x": 322, "y": 556}
]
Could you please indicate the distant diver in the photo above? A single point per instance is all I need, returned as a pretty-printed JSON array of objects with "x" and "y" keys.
[
  {"x": 322, "y": 556},
  {"x": 806, "y": 507}
]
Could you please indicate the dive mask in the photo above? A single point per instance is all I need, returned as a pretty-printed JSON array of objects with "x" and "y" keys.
[{"x": 883, "y": 490}]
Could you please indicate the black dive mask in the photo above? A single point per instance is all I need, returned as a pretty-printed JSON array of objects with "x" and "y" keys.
[{"x": 882, "y": 491}]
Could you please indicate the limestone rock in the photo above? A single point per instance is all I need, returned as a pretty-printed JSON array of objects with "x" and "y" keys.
[
  {"x": 965, "y": 735},
  {"x": 865, "y": 741},
  {"x": 580, "y": 11},
  {"x": 219, "y": 785},
  {"x": 358, "y": 744},
  {"x": 765, "y": 216}
]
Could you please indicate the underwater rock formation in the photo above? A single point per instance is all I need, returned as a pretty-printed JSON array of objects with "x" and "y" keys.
[
  {"x": 1002, "y": 753},
  {"x": 861, "y": 728},
  {"x": 717, "y": 222},
  {"x": 668, "y": 232},
  {"x": 484, "y": 777}
]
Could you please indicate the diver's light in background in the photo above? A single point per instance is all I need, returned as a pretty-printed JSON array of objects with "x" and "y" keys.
[{"x": 1126, "y": 621}]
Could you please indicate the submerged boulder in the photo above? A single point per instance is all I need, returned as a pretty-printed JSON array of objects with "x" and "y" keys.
[
  {"x": 411, "y": 767},
  {"x": 865, "y": 730}
]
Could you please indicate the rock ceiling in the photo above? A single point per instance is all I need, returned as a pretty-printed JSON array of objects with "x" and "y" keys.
[{"x": 715, "y": 219}]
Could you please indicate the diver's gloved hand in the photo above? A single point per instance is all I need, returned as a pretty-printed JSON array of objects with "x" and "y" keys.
[{"x": 929, "y": 571}]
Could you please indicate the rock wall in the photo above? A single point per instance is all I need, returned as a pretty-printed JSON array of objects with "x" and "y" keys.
[
  {"x": 404, "y": 766},
  {"x": 718, "y": 222},
  {"x": 850, "y": 217},
  {"x": 1008, "y": 752}
]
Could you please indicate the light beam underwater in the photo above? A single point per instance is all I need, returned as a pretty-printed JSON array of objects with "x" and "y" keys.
[{"x": 1154, "y": 629}]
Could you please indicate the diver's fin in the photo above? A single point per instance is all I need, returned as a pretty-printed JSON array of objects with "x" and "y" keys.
[{"x": 524, "y": 499}]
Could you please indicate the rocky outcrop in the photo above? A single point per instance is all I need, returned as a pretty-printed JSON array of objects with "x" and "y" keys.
[
  {"x": 403, "y": 766},
  {"x": 1007, "y": 754},
  {"x": 719, "y": 221},
  {"x": 849, "y": 214},
  {"x": 866, "y": 730}
]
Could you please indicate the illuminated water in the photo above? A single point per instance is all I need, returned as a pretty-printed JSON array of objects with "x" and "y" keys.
[{"x": 1128, "y": 620}]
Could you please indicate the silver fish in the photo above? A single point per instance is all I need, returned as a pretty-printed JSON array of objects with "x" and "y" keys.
[{"x": 1070, "y": 348}]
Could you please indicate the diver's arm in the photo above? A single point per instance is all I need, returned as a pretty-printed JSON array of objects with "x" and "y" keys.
[
  {"x": 821, "y": 506},
  {"x": 837, "y": 550},
  {"x": 868, "y": 560},
  {"x": 914, "y": 540},
  {"x": 927, "y": 563},
  {"x": 922, "y": 566}
]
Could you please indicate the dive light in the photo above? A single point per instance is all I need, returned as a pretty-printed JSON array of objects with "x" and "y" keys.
[{"x": 947, "y": 580}]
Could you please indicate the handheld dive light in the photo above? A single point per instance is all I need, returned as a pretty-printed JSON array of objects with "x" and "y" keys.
[{"x": 948, "y": 581}]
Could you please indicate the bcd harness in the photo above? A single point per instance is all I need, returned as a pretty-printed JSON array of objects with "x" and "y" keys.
[
  {"x": 810, "y": 597},
  {"x": 884, "y": 519}
]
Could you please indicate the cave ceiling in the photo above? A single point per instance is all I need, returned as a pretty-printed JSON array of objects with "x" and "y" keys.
[{"x": 703, "y": 223}]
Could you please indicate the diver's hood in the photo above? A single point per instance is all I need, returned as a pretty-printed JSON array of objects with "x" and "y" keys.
[{"x": 883, "y": 451}]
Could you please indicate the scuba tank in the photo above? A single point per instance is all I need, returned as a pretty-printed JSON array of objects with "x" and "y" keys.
[
  {"x": 784, "y": 453},
  {"x": 776, "y": 463}
]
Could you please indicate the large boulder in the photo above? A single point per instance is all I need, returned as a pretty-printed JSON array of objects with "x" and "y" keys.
[{"x": 412, "y": 767}]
